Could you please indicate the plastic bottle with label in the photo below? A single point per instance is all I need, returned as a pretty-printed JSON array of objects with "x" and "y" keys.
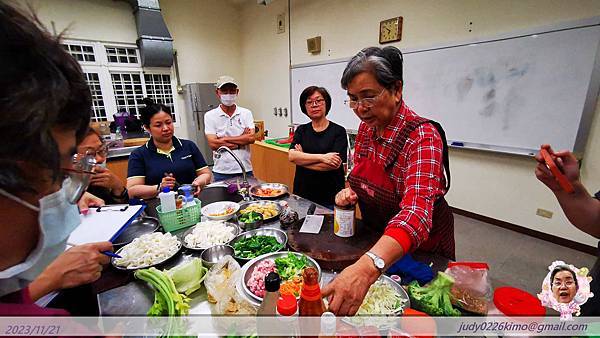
[
  {"x": 167, "y": 200},
  {"x": 287, "y": 314}
]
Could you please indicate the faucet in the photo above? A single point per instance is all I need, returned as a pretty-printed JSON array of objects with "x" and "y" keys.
[{"x": 245, "y": 183}]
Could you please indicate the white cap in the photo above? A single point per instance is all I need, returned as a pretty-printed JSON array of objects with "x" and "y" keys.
[
  {"x": 225, "y": 79},
  {"x": 328, "y": 324}
]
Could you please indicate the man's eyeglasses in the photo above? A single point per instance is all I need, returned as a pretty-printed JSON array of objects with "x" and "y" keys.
[
  {"x": 317, "y": 102},
  {"x": 367, "y": 102}
]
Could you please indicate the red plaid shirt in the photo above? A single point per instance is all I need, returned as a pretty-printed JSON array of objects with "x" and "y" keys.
[{"x": 418, "y": 174}]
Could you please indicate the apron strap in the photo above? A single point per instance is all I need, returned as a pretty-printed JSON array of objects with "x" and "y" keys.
[{"x": 446, "y": 157}]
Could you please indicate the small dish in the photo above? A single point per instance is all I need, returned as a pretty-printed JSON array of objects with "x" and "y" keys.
[
  {"x": 220, "y": 211},
  {"x": 269, "y": 190},
  {"x": 214, "y": 254},
  {"x": 236, "y": 231},
  {"x": 250, "y": 225}
]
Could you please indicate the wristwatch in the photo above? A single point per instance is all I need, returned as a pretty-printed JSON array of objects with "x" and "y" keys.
[{"x": 377, "y": 261}]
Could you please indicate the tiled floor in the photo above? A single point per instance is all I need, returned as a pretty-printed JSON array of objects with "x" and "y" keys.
[{"x": 515, "y": 259}]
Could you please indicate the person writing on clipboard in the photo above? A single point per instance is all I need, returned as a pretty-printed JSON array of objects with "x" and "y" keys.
[
  {"x": 46, "y": 106},
  {"x": 398, "y": 178},
  {"x": 581, "y": 208}
]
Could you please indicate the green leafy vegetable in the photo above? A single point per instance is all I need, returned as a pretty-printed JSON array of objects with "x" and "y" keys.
[
  {"x": 290, "y": 266},
  {"x": 188, "y": 277},
  {"x": 250, "y": 217},
  {"x": 255, "y": 246},
  {"x": 434, "y": 298},
  {"x": 167, "y": 301}
]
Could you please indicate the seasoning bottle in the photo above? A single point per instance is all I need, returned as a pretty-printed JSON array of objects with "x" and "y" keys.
[
  {"x": 167, "y": 200},
  {"x": 287, "y": 314},
  {"x": 311, "y": 303},
  {"x": 328, "y": 324},
  {"x": 343, "y": 220},
  {"x": 287, "y": 216},
  {"x": 268, "y": 307}
]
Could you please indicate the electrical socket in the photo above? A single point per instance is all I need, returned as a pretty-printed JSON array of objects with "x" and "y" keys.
[{"x": 544, "y": 213}]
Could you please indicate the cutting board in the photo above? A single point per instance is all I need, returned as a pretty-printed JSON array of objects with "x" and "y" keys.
[
  {"x": 330, "y": 251},
  {"x": 135, "y": 141}
]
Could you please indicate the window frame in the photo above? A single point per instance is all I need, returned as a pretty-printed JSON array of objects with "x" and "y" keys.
[{"x": 105, "y": 69}]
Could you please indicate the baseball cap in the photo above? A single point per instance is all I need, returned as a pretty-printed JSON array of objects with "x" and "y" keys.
[{"x": 225, "y": 79}]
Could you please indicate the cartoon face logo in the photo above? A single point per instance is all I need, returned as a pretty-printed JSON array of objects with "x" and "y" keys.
[{"x": 565, "y": 288}]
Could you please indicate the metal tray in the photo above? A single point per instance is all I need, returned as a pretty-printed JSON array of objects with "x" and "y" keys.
[
  {"x": 283, "y": 187},
  {"x": 381, "y": 321},
  {"x": 280, "y": 235},
  {"x": 248, "y": 268},
  {"x": 112, "y": 260},
  {"x": 181, "y": 236},
  {"x": 245, "y": 205},
  {"x": 140, "y": 226}
]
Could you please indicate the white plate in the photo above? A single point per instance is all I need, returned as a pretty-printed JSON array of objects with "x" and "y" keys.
[{"x": 219, "y": 207}]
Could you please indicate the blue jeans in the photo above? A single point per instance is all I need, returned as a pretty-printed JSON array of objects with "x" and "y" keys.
[{"x": 223, "y": 177}]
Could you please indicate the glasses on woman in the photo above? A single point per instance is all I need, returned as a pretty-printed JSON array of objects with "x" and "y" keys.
[
  {"x": 102, "y": 151},
  {"x": 567, "y": 283},
  {"x": 366, "y": 102},
  {"x": 317, "y": 102}
]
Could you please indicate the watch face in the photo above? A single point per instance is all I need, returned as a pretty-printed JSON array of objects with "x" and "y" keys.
[{"x": 379, "y": 263}]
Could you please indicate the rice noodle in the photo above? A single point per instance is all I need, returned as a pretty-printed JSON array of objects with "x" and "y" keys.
[{"x": 148, "y": 249}]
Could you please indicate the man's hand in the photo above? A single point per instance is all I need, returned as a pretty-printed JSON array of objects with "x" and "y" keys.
[
  {"x": 345, "y": 197},
  {"x": 88, "y": 200},
  {"x": 347, "y": 291},
  {"x": 332, "y": 159},
  {"x": 79, "y": 265},
  {"x": 564, "y": 160}
]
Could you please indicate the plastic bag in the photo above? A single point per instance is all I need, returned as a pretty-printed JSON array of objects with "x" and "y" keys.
[
  {"x": 472, "y": 289},
  {"x": 220, "y": 285}
]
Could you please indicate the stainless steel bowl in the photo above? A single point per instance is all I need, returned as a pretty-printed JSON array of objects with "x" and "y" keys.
[
  {"x": 283, "y": 187},
  {"x": 182, "y": 235},
  {"x": 276, "y": 205},
  {"x": 249, "y": 268},
  {"x": 214, "y": 254},
  {"x": 279, "y": 235},
  {"x": 252, "y": 225}
]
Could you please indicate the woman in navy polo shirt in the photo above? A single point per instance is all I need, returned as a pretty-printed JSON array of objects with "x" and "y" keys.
[{"x": 164, "y": 159}]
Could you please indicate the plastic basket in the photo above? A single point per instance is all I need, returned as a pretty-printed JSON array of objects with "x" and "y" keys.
[{"x": 179, "y": 218}]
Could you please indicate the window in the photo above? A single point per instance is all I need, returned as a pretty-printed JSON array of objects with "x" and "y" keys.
[
  {"x": 98, "y": 109},
  {"x": 81, "y": 53},
  {"x": 128, "y": 92},
  {"x": 122, "y": 55},
  {"x": 158, "y": 88},
  {"x": 117, "y": 80}
]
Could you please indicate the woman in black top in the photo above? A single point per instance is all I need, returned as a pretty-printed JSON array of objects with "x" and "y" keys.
[{"x": 319, "y": 149}]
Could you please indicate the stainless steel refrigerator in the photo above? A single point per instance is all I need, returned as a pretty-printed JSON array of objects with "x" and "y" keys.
[{"x": 199, "y": 99}]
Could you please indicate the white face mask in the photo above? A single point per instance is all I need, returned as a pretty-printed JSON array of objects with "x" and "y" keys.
[
  {"x": 57, "y": 219},
  {"x": 228, "y": 99}
]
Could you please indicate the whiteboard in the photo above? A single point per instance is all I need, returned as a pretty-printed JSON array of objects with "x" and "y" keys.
[{"x": 508, "y": 94}]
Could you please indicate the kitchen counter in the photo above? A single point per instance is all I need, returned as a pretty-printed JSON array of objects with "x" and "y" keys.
[{"x": 271, "y": 164}]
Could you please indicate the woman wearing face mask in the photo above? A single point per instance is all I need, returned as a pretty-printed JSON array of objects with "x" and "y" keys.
[
  {"x": 104, "y": 183},
  {"x": 46, "y": 105},
  {"x": 319, "y": 149},
  {"x": 165, "y": 160}
]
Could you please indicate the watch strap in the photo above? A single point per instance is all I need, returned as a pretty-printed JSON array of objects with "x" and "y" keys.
[{"x": 375, "y": 257}]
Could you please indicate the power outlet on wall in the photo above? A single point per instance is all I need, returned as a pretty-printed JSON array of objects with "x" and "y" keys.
[{"x": 544, "y": 213}]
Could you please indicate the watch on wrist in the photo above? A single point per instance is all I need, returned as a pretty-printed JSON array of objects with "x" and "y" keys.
[{"x": 377, "y": 261}]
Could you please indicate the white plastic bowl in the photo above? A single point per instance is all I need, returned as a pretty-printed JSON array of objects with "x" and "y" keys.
[{"x": 218, "y": 207}]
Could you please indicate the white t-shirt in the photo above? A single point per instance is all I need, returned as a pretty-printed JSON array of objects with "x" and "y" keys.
[{"x": 217, "y": 122}]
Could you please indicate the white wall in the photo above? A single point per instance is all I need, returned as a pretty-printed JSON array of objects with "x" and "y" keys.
[
  {"x": 265, "y": 61},
  {"x": 498, "y": 186}
]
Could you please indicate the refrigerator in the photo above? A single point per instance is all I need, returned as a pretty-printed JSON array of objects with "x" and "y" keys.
[{"x": 199, "y": 99}]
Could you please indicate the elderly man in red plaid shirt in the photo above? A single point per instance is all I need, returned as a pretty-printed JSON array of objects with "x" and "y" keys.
[{"x": 398, "y": 179}]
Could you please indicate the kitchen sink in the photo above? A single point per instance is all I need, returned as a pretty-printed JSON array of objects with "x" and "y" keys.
[{"x": 217, "y": 193}]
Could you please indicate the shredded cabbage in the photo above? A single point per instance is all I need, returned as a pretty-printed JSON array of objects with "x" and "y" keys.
[
  {"x": 381, "y": 299},
  {"x": 209, "y": 233}
]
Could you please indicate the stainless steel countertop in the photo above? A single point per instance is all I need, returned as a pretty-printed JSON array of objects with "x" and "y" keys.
[{"x": 120, "y": 152}]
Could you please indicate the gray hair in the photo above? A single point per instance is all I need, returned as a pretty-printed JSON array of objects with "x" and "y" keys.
[{"x": 385, "y": 64}]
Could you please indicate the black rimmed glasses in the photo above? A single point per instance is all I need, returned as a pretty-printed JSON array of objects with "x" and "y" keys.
[
  {"x": 366, "y": 102},
  {"x": 317, "y": 102}
]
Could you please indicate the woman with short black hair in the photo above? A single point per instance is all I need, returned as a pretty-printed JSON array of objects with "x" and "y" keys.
[
  {"x": 164, "y": 160},
  {"x": 319, "y": 149}
]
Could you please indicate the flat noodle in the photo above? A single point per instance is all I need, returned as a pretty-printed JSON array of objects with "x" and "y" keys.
[{"x": 148, "y": 249}]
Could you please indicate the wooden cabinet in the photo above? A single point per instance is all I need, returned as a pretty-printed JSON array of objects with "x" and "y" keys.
[
  {"x": 270, "y": 164},
  {"x": 118, "y": 165}
]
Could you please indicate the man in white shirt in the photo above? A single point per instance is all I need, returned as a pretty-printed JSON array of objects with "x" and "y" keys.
[{"x": 231, "y": 126}]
